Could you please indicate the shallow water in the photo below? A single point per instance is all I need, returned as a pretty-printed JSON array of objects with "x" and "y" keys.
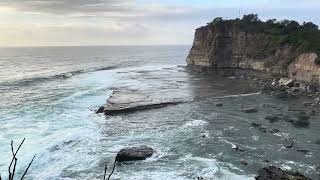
[{"x": 192, "y": 139}]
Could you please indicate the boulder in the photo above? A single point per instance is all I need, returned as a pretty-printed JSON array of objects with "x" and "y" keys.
[
  {"x": 219, "y": 104},
  {"x": 249, "y": 110},
  {"x": 311, "y": 89},
  {"x": 100, "y": 110},
  {"x": 274, "y": 131},
  {"x": 274, "y": 173},
  {"x": 254, "y": 124},
  {"x": 134, "y": 153},
  {"x": 273, "y": 118},
  {"x": 288, "y": 143},
  {"x": 243, "y": 162},
  {"x": 305, "y": 151},
  {"x": 289, "y": 83},
  {"x": 282, "y": 81}
]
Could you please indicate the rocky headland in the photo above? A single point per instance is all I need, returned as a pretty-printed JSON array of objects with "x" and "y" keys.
[{"x": 280, "y": 57}]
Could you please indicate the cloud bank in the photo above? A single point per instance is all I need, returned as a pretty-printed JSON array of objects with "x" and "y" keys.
[{"x": 120, "y": 22}]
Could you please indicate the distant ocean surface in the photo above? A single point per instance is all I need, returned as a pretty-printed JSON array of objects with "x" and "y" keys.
[{"x": 48, "y": 96}]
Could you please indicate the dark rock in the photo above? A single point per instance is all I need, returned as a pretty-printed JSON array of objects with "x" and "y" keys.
[
  {"x": 305, "y": 151},
  {"x": 317, "y": 142},
  {"x": 243, "y": 162},
  {"x": 288, "y": 143},
  {"x": 138, "y": 108},
  {"x": 296, "y": 84},
  {"x": 275, "y": 173},
  {"x": 249, "y": 110},
  {"x": 311, "y": 89},
  {"x": 281, "y": 95},
  {"x": 219, "y": 104},
  {"x": 100, "y": 110},
  {"x": 263, "y": 129},
  {"x": 273, "y": 118},
  {"x": 237, "y": 148},
  {"x": 254, "y": 124},
  {"x": 301, "y": 123},
  {"x": 274, "y": 131},
  {"x": 134, "y": 153}
]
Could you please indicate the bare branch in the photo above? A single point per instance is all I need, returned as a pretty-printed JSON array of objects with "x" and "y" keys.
[
  {"x": 114, "y": 165},
  {"x": 25, "y": 172},
  {"x": 105, "y": 172},
  {"x": 14, "y": 167},
  {"x": 14, "y": 158}
]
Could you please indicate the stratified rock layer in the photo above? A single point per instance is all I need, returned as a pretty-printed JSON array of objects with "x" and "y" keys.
[{"x": 228, "y": 46}]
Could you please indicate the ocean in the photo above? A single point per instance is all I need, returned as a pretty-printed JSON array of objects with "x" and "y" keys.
[{"x": 48, "y": 96}]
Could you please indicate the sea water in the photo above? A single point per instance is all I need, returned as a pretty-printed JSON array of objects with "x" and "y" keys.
[{"x": 48, "y": 96}]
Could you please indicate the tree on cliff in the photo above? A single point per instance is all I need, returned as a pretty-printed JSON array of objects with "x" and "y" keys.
[{"x": 284, "y": 32}]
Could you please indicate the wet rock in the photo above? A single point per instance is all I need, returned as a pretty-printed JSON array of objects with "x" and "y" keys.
[
  {"x": 281, "y": 95},
  {"x": 263, "y": 129},
  {"x": 311, "y": 89},
  {"x": 275, "y": 173},
  {"x": 237, "y": 148},
  {"x": 296, "y": 84},
  {"x": 301, "y": 123},
  {"x": 219, "y": 104},
  {"x": 249, "y": 110},
  {"x": 243, "y": 162},
  {"x": 254, "y": 124},
  {"x": 100, "y": 110},
  {"x": 274, "y": 131},
  {"x": 305, "y": 151},
  {"x": 288, "y": 143},
  {"x": 317, "y": 142},
  {"x": 134, "y": 153},
  {"x": 273, "y": 118},
  {"x": 131, "y": 100}
]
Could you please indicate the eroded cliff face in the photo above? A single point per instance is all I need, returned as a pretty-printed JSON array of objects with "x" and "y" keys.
[{"x": 227, "y": 46}]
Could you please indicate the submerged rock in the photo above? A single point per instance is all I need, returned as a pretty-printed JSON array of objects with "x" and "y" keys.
[
  {"x": 243, "y": 162},
  {"x": 305, "y": 151},
  {"x": 273, "y": 118},
  {"x": 249, "y": 110},
  {"x": 288, "y": 143},
  {"x": 275, "y": 173},
  {"x": 134, "y": 153},
  {"x": 219, "y": 104},
  {"x": 274, "y": 131}
]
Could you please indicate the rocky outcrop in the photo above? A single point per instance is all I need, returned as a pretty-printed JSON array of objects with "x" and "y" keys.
[
  {"x": 229, "y": 46},
  {"x": 134, "y": 153},
  {"x": 273, "y": 173}
]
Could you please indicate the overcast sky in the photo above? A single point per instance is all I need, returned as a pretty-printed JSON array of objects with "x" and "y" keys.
[{"x": 130, "y": 22}]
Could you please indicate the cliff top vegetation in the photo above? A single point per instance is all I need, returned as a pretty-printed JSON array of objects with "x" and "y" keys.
[{"x": 284, "y": 32}]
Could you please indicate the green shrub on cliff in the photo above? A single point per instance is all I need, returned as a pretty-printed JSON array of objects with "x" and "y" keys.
[{"x": 305, "y": 36}]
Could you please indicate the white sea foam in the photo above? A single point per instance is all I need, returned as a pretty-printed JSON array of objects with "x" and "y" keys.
[{"x": 196, "y": 123}]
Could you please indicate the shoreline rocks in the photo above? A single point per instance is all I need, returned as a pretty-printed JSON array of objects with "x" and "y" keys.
[
  {"x": 274, "y": 173},
  {"x": 134, "y": 153}
]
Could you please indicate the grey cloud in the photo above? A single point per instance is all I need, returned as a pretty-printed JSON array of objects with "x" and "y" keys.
[{"x": 70, "y": 6}]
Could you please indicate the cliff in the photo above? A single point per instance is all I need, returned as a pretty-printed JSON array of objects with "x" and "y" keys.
[{"x": 227, "y": 44}]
